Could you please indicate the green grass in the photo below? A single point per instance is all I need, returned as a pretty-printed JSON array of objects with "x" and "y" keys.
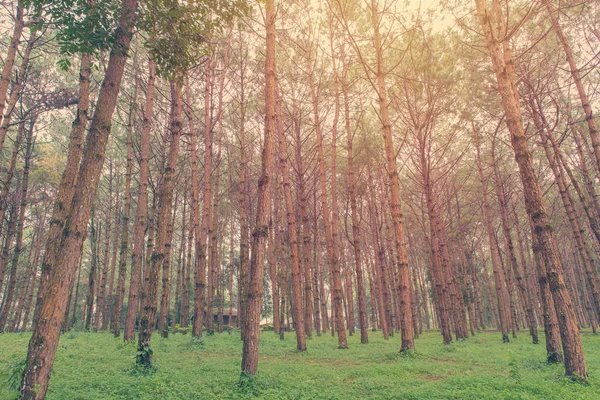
[{"x": 98, "y": 366}]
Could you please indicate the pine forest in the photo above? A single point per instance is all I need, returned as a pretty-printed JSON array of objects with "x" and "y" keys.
[{"x": 299, "y": 199}]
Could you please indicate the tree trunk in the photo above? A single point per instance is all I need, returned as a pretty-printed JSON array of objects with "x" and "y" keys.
[
  {"x": 261, "y": 229},
  {"x": 4, "y": 203},
  {"x": 103, "y": 274},
  {"x": 141, "y": 213},
  {"x": 161, "y": 252},
  {"x": 9, "y": 62},
  {"x": 499, "y": 279},
  {"x": 291, "y": 221},
  {"x": 585, "y": 101},
  {"x": 406, "y": 322},
  {"x": 117, "y": 309},
  {"x": 21, "y": 199},
  {"x": 203, "y": 232},
  {"x": 328, "y": 220},
  {"x": 511, "y": 256},
  {"x": 503, "y": 63},
  {"x": 44, "y": 340}
]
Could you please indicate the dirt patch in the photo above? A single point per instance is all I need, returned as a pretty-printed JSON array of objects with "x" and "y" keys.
[
  {"x": 445, "y": 360},
  {"x": 432, "y": 377}
]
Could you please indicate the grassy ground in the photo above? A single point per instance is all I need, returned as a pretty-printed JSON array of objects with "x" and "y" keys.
[{"x": 98, "y": 366}]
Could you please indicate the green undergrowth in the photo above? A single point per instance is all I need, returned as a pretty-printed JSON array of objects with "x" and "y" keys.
[{"x": 98, "y": 366}]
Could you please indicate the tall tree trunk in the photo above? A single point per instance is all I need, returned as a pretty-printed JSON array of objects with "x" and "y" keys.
[
  {"x": 244, "y": 245},
  {"x": 406, "y": 322},
  {"x": 261, "y": 229},
  {"x": 499, "y": 279},
  {"x": 351, "y": 181},
  {"x": 292, "y": 229},
  {"x": 161, "y": 252},
  {"x": 89, "y": 305},
  {"x": 44, "y": 340},
  {"x": 273, "y": 248},
  {"x": 103, "y": 274},
  {"x": 203, "y": 232},
  {"x": 21, "y": 199},
  {"x": 8, "y": 66},
  {"x": 501, "y": 56},
  {"x": 584, "y": 251},
  {"x": 165, "y": 298},
  {"x": 34, "y": 263},
  {"x": 328, "y": 220},
  {"x": 511, "y": 256},
  {"x": 4, "y": 203},
  {"x": 585, "y": 101},
  {"x": 117, "y": 309},
  {"x": 141, "y": 213},
  {"x": 15, "y": 95},
  {"x": 9, "y": 61},
  {"x": 75, "y": 301}
]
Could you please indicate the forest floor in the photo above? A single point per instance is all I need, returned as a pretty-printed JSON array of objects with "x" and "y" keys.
[{"x": 98, "y": 366}]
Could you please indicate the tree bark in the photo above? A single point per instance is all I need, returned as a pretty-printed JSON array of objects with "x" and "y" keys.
[
  {"x": 499, "y": 279},
  {"x": 203, "y": 232},
  {"x": 9, "y": 62},
  {"x": 161, "y": 252},
  {"x": 141, "y": 213},
  {"x": 117, "y": 309},
  {"x": 44, "y": 340},
  {"x": 406, "y": 322},
  {"x": 22, "y": 202},
  {"x": 261, "y": 229},
  {"x": 499, "y": 51}
]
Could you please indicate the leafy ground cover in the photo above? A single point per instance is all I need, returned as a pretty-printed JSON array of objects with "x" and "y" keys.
[{"x": 98, "y": 366}]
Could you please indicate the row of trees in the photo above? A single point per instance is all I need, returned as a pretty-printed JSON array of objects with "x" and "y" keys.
[{"x": 352, "y": 173}]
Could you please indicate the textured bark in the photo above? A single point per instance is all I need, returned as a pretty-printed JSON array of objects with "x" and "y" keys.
[
  {"x": 44, "y": 340},
  {"x": 499, "y": 51},
  {"x": 575, "y": 74},
  {"x": 319, "y": 300},
  {"x": 588, "y": 181},
  {"x": 185, "y": 278},
  {"x": 9, "y": 62},
  {"x": 551, "y": 330},
  {"x": 117, "y": 308},
  {"x": 161, "y": 252},
  {"x": 406, "y": 322},
  {"x": 261, "y": 228},
  {"x": 103, "y": 274},
  {"x": 569, "y": 206},
  {"x": 307, "y": 269},
  {"x": 165, "y": 298},
  {"x": 21, "y": 200},
  {"x": 34, "y": 276},
  {"x": 297, "y": 312},
  {"x": 439, "y": 262},
  {"x": 89, "y": 304},
  {"x": 10, "y": 108},
  {"x": 203, "y": 231},
  {"x": 499, "y": 279},
  {"x": 514, "y": 265},
  {"x": 181, "y": 261},
  {"x": 77, "y": 284},
  {"x": 379, "y": 278},
  {"x": 328, "y": 219},
  {"x": 351, "y": 182},
  {"x": 4, "y": 203},
  {"x": 273, "y": 249},
  {"x": 244, "y": 245},
  {"x": 141, "y": 213},
  {"x": 17, "y": 87},
  {"x": 214, "y": 260}
]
